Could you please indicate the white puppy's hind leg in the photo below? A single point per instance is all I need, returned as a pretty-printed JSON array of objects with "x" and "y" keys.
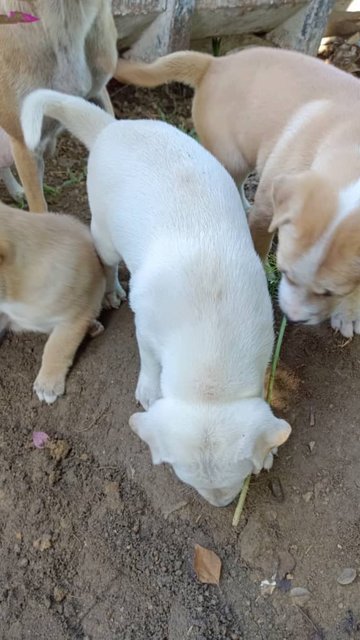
[
  {"x": 13, "y": 186},
  {"x": 148, "y": 387},
  {"x": 114, "y": 293}
]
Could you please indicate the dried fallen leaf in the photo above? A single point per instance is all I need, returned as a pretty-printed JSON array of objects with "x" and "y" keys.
[
  {"x": 207, "y": 565},
  {"x": 39, "y": 439},
  {"x": 59, "y": 449},
  {"x": 43, "y": 544}
]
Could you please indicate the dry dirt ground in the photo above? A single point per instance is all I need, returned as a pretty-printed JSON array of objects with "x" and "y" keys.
[{"x": 97, "y": 544}]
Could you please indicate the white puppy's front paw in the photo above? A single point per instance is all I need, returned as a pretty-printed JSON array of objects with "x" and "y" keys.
[
  {"x": 147, "y": 391},
  {"x": 49, "y": 389},
  {"x": 114, "y": 298},
  {"x": 347, "y": 326}
]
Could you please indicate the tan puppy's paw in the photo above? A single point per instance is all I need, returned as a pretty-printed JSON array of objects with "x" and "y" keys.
[
  {"x": 95, "y": 329},
  {"x": 49, "y": 388},
  {"x": 114, "y": 298}
]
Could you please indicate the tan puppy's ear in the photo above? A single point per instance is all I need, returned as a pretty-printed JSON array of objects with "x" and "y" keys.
[{"x": 286, "y": 200}]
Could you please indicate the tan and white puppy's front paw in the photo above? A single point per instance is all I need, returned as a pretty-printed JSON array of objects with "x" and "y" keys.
[
  {"x": 48, "y": 389},
  {"x": 346, "y": 317},
  {"x": 345, "y": 325}
]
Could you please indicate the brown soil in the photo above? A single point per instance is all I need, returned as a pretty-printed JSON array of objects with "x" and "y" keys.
[{"x": 97, "y": 544}]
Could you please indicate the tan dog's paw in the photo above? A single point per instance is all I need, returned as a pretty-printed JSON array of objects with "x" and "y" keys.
[
  {"x": 48, "y": 389},
  {"x": 95, "y": 329},
  {"x": 113, "y": 299}
]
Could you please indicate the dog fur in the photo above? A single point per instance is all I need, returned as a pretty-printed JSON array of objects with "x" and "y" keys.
[
  {"x": 293, "y": 119},
  {"x": 203, "y": 314},
  {"x": 72, "y": 48},
  {"x": 51, "y": 281},
  {"x": 6, "y": 162}
]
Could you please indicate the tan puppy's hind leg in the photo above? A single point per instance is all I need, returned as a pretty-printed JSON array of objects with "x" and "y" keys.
[
  {"x": 105, "y": 102},
  {"x": 28, "y": 171},
  {"x": 259, "y": 222},
  {"x": 57, "y": 358}
]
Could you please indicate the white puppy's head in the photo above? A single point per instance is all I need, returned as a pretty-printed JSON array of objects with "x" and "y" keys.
[
  {"x": 212, "y": 447},
  {"x": 319, "y": 244}
]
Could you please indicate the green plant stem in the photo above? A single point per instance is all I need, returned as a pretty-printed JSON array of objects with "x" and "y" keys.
[{"x": 274, "y": 364}]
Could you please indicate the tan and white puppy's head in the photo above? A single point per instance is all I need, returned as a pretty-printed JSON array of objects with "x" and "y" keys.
[
  {"x": 212, "y": 447},
  {"x": 318, "y": 244}
]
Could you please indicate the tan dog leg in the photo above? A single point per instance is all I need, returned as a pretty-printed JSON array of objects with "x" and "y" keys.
[
  {"x": 259, "y": 222},
  {"x": 28, "y": 171},
  {"x": 103, "y": 101},
  {"x": 57, "y": 358}
]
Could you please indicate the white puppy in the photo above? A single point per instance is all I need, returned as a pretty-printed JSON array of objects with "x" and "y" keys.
[{"x": 203, "y": 315}]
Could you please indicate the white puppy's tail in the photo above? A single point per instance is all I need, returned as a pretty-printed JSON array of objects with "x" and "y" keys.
[{"x": 83, "y": 119}]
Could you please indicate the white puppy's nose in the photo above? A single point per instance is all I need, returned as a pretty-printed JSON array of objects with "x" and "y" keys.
[{"x": 218, "y": 497}]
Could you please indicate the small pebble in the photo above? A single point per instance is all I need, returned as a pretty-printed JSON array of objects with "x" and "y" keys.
[
  {"x": 59, "y": 594},
  {"x": 300, "y": 596},
  {"x": 311, "y": 445},
  {"x": 307, "y": 496},
  {"x": 23, "y": 562},
  {"x": 347, "y": 576},
  {"x": 276, "y": 489}
]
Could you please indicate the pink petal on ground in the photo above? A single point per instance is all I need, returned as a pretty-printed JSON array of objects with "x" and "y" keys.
[{"x": 39, "y": 439}]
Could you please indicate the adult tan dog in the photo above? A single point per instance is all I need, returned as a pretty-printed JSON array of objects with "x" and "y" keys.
[
  {"x": 71, "y": 48},
  {"x": 296, "y": 121},
  {"x": 51, "y": 281}
]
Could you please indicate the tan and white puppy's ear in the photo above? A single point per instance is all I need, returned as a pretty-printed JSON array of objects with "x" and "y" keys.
[
  {"x": 152, "y": 432},
  {"x": 286, "y": 200}
]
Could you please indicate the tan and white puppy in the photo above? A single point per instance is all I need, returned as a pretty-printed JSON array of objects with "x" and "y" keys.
[
  {"x": 295, "y": 120},
  {"x": 71, "y": 48},
  {"x": 203, "y": 313},
  {"x": 51, "y": 281}
]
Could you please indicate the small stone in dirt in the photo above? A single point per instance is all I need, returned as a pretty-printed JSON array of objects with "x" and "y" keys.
[
  {"x": 18, "y": 536},
  {"x": 307, "y": 496},
  {"x": 43, "y": 543},
  {"x": 59, "y": 594},
  {"x": 299, "y": 596},
  {"x": 23, "y": 562},
  {"x": 276, "y": 489},
  {"x": 58, "y": 449},
  {"x": 311, "y": 445},
  {"x": 347, "y": 576},
  {"x": 111, "y": 488}
]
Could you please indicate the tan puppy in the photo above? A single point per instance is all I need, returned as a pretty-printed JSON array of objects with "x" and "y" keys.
[
  {"x": 71, "y": 48},
  {"x": 296, "y": 121},
  {"x": 51, "y": 281}
]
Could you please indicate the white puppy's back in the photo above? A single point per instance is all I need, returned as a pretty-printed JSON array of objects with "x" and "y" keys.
[{"x": 176, "y": 218}]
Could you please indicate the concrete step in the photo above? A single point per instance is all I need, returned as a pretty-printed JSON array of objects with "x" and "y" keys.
[{"x": 156, "y": 27}]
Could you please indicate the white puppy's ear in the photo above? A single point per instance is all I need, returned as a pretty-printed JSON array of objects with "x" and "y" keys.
[
  {"x": 286, "y": 200},
  {"x": 149, "y": 430},
  {"x": 277, "y": 433}
]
